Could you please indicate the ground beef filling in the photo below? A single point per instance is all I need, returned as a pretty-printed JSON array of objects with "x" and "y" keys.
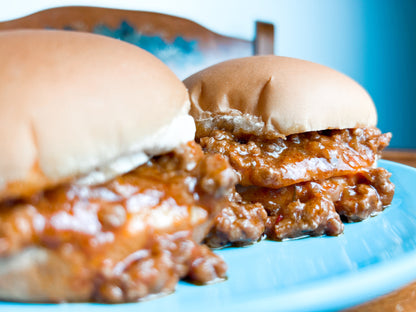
[
  {"x": 316, "y": 208},
  {"x": 239, "y": 224},
  {"x": 309, "y": 156},
  {"x": 133, "y": 236},
  {"x": 302, "y": 185}
]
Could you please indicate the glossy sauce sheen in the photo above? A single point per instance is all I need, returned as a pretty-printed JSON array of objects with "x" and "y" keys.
[
  {"x": 133, "y": 236},
  {"x": 301, "y": 157},
  {"x": 302, "y": 185}
]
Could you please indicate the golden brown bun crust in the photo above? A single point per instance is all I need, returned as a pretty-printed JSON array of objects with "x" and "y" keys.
[
  {"x": 279, "y": 96},
  {"x": 72, "y": 102}
]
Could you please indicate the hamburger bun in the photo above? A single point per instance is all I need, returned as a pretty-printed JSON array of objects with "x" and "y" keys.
[
  {"x": 301, "y": 138},
  {"x": 76, "y": 104},
  {"x": 277, "y": 96},
  {"x": 86, "y": 212},
  {"x": 38, "y": 274}
]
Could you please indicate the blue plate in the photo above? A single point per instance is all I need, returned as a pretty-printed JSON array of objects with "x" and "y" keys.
[{"x": 370, "y": 259}]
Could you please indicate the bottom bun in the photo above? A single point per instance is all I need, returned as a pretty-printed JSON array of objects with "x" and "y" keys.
[{"x": 38, "y": 275}]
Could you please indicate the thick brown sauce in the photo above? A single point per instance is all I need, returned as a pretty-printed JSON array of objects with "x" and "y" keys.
[
  {"x": 302, "y": 185},
  {"x": 135, "y": 235},
  {"x": 316, "y": 208},
  {"x": 315, "y": 155}
]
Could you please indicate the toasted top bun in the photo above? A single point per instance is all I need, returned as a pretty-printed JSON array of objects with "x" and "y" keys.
[
  {"x": 277, "y": 96},
  {"x": 81, "y": 105}
]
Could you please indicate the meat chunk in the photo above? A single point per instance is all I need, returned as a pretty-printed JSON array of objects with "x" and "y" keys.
[
  {"x": 315, "y": 217},
  {"x": 359, "y": 202},
  {"x": 206, "y": 266},
  {"x": 360, "y": 196},
  {"x": 238, "y": 224},
  {"x": 296, "y": 211},
  {"x": 156, "y": 270}
]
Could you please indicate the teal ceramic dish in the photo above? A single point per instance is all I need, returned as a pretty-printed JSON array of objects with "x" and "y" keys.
[{"x": 370, "y": 259}]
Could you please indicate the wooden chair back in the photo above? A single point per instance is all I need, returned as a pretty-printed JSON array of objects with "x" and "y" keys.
[{"x": 183, "y": 45}]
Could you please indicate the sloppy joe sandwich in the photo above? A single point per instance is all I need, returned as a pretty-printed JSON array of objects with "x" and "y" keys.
[
  {"x": 104, "y": 195},
  {"x": 303, "y": 141}
]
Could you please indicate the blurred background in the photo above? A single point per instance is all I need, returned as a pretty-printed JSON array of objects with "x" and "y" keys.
[{"x": 372, "y": 41}]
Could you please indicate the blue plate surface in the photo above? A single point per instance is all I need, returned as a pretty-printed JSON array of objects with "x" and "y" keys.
[{"x": 370, "y": 259}]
